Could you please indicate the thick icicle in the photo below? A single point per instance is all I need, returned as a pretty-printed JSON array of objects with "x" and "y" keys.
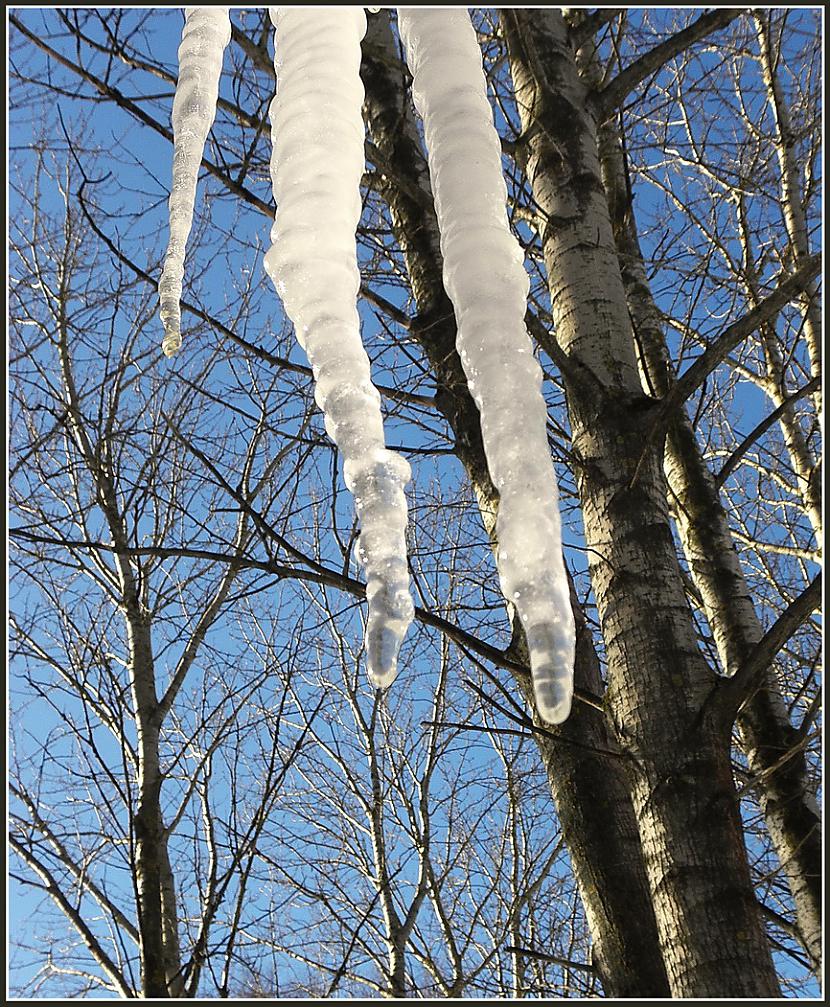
[
  {"x": 207, "y": 31},
  {"x": 316, "y": 166},
  {"x": 485, "y": 278}
]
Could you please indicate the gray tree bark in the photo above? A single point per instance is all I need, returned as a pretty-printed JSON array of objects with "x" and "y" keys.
[
  {"x": 661, "y": 692},
  {"x": 790, "y": 810},
  {"x": 588, "y": 786}
]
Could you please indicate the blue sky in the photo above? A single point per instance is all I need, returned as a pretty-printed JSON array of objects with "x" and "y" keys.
[{"x": 135, "y": 192}]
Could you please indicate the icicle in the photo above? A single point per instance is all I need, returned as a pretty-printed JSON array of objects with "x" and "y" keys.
[
  {"x": 316, "y": 166},
  {"x": 486, "y": 281},
  {"x": 207, "y": 30}
]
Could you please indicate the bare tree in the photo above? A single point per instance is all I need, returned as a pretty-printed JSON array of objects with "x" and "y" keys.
[
  {"x": 115, "y": 632},
  {"x": 662, "y": 175},
  {"x": 416, "y": 858}
]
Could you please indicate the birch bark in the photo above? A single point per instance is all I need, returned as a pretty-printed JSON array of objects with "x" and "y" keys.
[
  {"x": 660, "y": 688},
  {"x": 790, "y": 810},
  {"x": 588, "y": 787}
]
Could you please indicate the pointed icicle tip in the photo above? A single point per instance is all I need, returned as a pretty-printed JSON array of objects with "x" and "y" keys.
[
  {"x": 554, "y": 702},
  {"x": 171, "y": 344},
  {"x": 317, "y": 132},
  {"x": 551, "y": 665},
  {"x": 382, "y": 647},
  {"x": 488, "y": 285}
]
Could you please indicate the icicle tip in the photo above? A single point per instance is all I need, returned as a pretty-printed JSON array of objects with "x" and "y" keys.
[
  {"x": 554, "y": 703},
  {"x": 551, "y": 647},
  {"x": 171, "y": 344},
  {"x": 382, "y": 646}
]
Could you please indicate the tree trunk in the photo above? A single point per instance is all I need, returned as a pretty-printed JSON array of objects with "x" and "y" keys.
[
  {"x": 147, "y": 832},
  {"x": 791, "y": 194},
  {"x": 790, "y": 809},
  {"x": 157, "y": 917},
  {"x": 588, "y": 786},
  {"x": 157, "y": 913},
  {"x": 660, "y": 691}
]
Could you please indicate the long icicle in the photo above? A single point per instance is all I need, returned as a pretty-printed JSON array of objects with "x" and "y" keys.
[
  {"x": 486, "y": 281},
  {"x": 206, "y": 33},
  {"x": 316, "y": 167}
]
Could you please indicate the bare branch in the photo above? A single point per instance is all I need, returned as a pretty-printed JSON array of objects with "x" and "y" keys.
[
  {"x": 542, "y": 957},
  {"x": 74, "y": 916},
  {"x": 735, "y": 459},
  {"x": 615, "y": 92},
  {"x": 81, "y": 874},
  {"x": 592, "y": 23},
  {"x": 735, "y": 690}
]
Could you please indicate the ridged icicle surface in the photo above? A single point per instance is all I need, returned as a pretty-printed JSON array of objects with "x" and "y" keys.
[
  {"x": 207, "y": 31},
  {"x": 316, "y": 166},
  {"x": 485, "y": 278}
]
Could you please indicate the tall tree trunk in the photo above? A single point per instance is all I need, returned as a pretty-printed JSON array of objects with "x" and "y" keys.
[
  {"x": 791, "y": 193},
  {"x": 148, "y": 835},
  {"x": 157, "y": 917},
  {"x": 588, "y": 787},
  {"x": 805, "y": 469},
  {"x": 161, "y": 968},
  {"x": 790, "y": 809},
  {"x": 660, "y": 690}
]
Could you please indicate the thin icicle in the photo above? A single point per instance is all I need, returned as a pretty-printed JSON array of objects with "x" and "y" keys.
[
  {"x": 207, "y": 31},
  {"x": 487, "y": 283},
  {"x": 316, "y": 166}
]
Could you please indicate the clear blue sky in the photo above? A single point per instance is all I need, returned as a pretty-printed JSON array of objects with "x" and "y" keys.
[{"x": 140, "y": 183}]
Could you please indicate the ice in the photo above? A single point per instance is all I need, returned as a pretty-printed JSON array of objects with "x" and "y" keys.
[
  {"x": 207, "y": 31},
  {"x": 485, "y": 278},
  {"x": 316, "y": 166}
]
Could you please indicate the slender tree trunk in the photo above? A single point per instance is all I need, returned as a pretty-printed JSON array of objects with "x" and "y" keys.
[
  {"x": 157, "y": 912},
  {"x": 173, "y": 967},
  {"x": 157, "y": 917},
  {"x": 396, "y": 938},
  {"x": 790, "y": 809},
  {"x": 147, "y": 833},
  {"x": 791, "y": 206},
  {"x": 805, "y": 467},
  {"x": 588, "y": 786},
  {"x": 661, "y": 691},
  {"x": 807, "y": 472}
]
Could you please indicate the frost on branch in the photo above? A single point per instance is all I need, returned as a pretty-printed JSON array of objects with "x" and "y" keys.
[
  {"x": 316, "y": 166},
  {"x": 207, "y": 31},
  {"x": 485, "y": 279}
]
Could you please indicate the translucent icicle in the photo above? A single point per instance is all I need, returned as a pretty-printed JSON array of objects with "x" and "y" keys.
[
  {"x": 207, "y": 31},
  {"x": 485, "y": 278},
  {"x": 316, "y": 166}
]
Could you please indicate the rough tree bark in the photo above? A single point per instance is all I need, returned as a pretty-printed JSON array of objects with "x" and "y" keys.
[
  {"x": 588, "y": 787},
  {"x": 660, "y": 690},
  {"x": 790, "y": 810}
]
